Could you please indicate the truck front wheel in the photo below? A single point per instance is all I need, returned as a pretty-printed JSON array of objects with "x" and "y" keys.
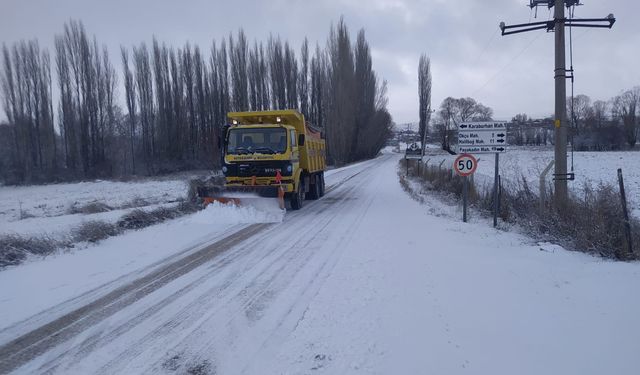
[{"x": 297, "y": 197}]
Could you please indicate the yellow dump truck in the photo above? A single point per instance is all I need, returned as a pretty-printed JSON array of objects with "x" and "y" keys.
[{"x": 272, "y": 154}]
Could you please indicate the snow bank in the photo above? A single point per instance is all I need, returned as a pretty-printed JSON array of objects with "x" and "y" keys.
[{"x": 231, "y": 214}]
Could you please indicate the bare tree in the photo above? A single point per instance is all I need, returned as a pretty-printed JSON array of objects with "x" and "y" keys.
[
  {"x": 290, "y": 77},
  {"x": 424, "y": 96},
  {"x": 455, "y": 111},
  {"x": 341, "y": 120},
  {"x": 625, "y": 108},
  {"x": 578, "y": 109},
  {"x": 599, "y": 113},
  {"x": 238, "y": 62},
  {"x": 144, "y": 88},
  {"x": 303, "y": 79},
  {"x": 319, "y": 88},
  {"x": 275, "y": 56},
  {"x": 26, "y": 88},
  {"x": 130, "y": 96}
]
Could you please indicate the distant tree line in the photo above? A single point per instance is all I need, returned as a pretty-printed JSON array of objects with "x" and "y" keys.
[
  {"x": 175, "y": 102},
  {"x": 595, "y": 125},
  {"x": 527, "y": 131}
]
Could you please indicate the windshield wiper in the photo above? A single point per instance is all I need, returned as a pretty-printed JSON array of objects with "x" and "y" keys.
[
  {"x": 264, "y": 149},
  {"x": 240, "y": 151}
]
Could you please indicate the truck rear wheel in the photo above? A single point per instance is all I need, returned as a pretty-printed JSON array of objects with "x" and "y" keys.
[
  {"x": 314, "y": 188},
  {"x": 297, "y": 197},
  {"x": 321, "y": 184}
]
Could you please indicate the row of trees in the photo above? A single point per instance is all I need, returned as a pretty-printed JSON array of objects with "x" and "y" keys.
[
  {"x": 604, "y": 124},
  {"x": 175, "y": 102},
  {"x": 596, "y": 125},
  {"x": 26, "y": 85}
]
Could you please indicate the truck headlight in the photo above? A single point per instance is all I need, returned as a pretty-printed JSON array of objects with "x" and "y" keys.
[
  {"x": 289, "y": 168},
  {"x": 224, "y": 169}
]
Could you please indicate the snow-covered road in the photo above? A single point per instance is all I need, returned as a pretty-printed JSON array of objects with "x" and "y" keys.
[{"x": 364, "y": 280}]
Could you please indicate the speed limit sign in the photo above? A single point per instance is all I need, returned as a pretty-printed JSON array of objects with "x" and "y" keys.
[{"x": 465, "y": 165}]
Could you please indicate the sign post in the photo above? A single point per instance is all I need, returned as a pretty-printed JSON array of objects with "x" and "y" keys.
[
  {"x": 412, "y": 152},
  {"x": 484, "y": 138},
  {"x": 496, "y": 177},
  {"x": 465, "y": 165}
]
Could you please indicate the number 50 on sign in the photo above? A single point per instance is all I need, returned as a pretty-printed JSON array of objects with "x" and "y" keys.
[{"x": 465, "y": 165}]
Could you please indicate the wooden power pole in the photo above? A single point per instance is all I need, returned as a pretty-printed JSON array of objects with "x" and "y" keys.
[
  {"x": 560, "y": 175},
  {"x": 557, "y": 25}
]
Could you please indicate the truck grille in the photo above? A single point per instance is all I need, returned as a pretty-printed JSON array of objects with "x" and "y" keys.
[{"x": 258, "y": 169}]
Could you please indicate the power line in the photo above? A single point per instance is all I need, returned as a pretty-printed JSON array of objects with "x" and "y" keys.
[
  {"x": 526, "y": 47},
  {"x": 481, "y": 54}
]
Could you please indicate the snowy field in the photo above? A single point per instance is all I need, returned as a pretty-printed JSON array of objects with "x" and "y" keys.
[
  {"x": 589, "y": 167},
  {"x": 56, "y": 209}
]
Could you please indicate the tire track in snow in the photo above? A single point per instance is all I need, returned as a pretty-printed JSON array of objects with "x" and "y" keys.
[
  {"x": 256, "y": 293},
  {"x": 24, "y": 348},
  {"x": 32, "y": 344}
]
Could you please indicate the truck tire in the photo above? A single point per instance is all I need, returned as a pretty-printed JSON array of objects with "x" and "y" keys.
[
  {"x": 297, "y": 197},
  {"x": 321, "y": 184},
  {"x": 314, "y": 188}
]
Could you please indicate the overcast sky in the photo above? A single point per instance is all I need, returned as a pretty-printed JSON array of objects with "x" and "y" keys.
[{"x": 511, "y": 74}]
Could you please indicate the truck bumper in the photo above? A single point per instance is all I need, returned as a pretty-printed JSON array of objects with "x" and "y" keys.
[{"x": 266, "y": 187}]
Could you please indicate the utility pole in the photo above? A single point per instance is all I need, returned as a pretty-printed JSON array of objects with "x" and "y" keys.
[
  {"x": 560, "y": 132},
  {"x": 557, "y": 25}
]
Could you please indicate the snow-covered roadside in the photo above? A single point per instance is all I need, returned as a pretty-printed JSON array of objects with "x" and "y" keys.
[
  {"x": 60, "y": 227},
  {"x": 590, "y": 167},
  {"x": 43, "y": 283},
  {"x": 58, "y": 199},
  {"x": 46, "y": 282},
  {"x": 55, "y": 210}
]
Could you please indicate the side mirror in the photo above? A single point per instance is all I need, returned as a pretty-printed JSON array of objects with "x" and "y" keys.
[{"x": 301, "y": 140}]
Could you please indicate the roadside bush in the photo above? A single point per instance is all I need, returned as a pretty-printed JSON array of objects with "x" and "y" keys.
[
  {"x": 136, "y": 202},
  {"x": 94, "y": 231},
  {"x": 208, "y": 185},
  {"x": 14, "y": 249},
  {"x": 589, "y": 222},
  {"x": 137, "y": 219},
  {"x": 89, "y": 208}
]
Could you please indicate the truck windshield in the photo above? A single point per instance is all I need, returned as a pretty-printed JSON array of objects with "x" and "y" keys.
[{"x": 257, "y": 140}]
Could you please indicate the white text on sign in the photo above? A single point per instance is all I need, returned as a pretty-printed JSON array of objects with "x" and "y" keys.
[{"x": 482, "y": 126}]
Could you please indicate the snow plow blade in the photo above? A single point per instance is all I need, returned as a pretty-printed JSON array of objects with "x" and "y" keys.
[{"x": 264, "y": 198}]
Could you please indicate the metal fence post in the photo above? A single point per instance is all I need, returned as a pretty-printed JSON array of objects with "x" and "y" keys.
[{"x": 627, "y": 224}]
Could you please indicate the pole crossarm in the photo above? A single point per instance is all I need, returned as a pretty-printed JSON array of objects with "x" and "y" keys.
[
  {"x": 523, "y": 27},
  {"x": 606, "y": 23}
]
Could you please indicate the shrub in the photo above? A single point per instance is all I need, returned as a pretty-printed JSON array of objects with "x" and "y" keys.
[
  {"x": 94, "y": 231},
  {"x": 14, "y": 249},
  {"x": 89, "y": 208},
  {"x": 137, "y": 219},
  {"x": 589, "y": 222},
  {"x": 136, "y": 202}
]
